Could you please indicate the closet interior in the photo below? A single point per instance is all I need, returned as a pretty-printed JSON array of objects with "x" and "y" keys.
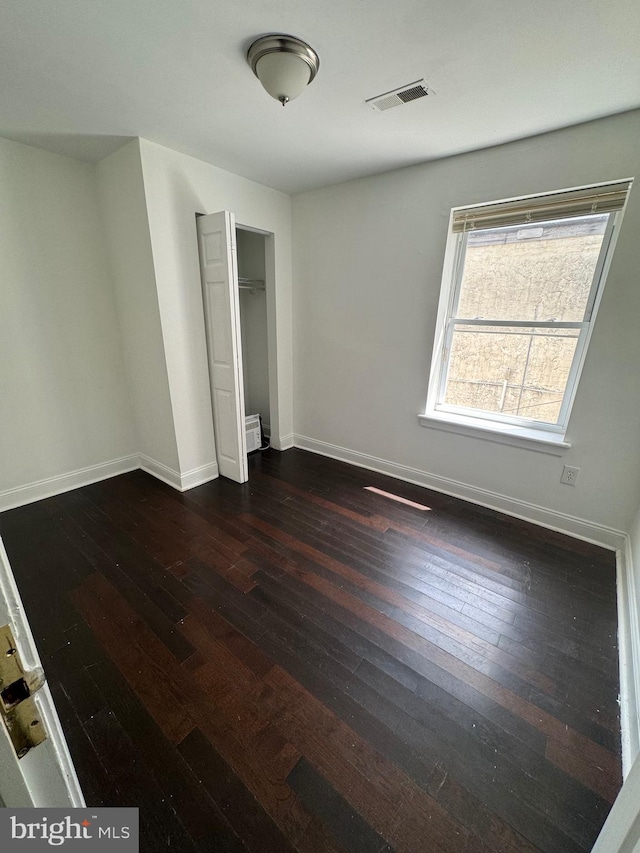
[{"x": 250, "y": 247}]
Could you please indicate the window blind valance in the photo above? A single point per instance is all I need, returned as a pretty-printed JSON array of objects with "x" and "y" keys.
[{"x": 589, "y": 200}]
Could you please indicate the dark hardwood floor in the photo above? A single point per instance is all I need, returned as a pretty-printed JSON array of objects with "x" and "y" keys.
[{"x": 300, "y": 664}]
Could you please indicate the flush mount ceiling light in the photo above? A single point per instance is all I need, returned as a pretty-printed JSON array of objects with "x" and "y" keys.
[{"x": 283, "y": 64}]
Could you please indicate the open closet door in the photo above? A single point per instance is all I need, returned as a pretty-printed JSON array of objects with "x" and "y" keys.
[
  {"x": 621, "y": 831},
  {"x": 219, "y": 268},
  {"x": 36, "y": 769}
]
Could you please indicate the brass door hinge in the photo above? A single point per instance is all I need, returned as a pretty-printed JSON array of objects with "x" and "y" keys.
[{"x": 18, "y": 710}]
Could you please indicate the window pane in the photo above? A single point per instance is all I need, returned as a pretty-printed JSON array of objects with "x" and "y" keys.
[
  {"x": 542, "y": 271},
  {"x": 515, "y": 371}
]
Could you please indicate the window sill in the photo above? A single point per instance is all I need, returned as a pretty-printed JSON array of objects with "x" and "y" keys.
[{"x": 541, "y": 441}]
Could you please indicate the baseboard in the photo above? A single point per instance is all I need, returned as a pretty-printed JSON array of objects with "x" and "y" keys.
[
  {"x": 47, "y": 488},
  {"x": 286, "y": 442},
  {"x": 160, "y": 471},
  {"x": 581, "y": 529},
  {"x": 198, "y": 476},
  {"x": 181, "y": 482},
  {"x": 608, "y": 537},
  {"x": 50, "y": 486},
  {"x": 629, "y": 651}
]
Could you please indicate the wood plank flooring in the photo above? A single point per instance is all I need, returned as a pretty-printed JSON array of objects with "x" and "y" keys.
[{"x": 299, "y": 664}]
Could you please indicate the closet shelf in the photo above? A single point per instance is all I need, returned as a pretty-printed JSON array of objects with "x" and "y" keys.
[{"x": 250, "y": 283}]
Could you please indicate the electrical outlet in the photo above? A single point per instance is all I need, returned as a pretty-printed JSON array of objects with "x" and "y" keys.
[{"x": 569, "y": 475}]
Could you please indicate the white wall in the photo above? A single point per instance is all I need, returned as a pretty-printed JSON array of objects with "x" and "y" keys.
[
  {"x": 634, "y": 547},
  {"x": 629, "y": 631},
  {"x": 176, "y": 188},
  {"x": 64, "y": 404},
  {"x": 368, "y": 261},
  {"x": 124, "y": 214}
]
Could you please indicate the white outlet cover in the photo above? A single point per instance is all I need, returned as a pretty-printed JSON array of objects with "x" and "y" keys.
[{"x": 569, "y": 475}]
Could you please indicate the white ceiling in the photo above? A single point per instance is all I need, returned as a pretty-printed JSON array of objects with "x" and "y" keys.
[{"x": 82, "y": 76}]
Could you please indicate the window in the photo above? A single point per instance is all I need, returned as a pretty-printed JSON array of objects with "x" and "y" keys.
[{"x": 521, "y": 287}]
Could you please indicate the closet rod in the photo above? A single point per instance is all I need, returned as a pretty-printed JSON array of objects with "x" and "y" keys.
[{"x": 251, "y": 283}]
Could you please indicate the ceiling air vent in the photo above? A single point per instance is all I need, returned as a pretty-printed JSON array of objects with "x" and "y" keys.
[{"x": 397, "y": 97}]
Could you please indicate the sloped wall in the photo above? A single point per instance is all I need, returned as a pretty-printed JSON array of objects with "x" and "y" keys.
[
  {"x": 124, "y": 216},
  {"x": 176, "y": 188}
]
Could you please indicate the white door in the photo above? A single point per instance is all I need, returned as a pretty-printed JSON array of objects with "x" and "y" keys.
[
  {"x": 219, "y": 268},
  {"x": 621, "y": 831},
  {"x": 43, "y": 775}
]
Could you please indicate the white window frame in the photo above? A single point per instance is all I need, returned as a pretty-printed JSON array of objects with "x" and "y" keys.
[{"x": 517, "y": 430}]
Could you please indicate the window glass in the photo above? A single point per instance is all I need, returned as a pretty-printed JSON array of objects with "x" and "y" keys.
[
  {"x": 542, "y": 271},
  {"x": 519, "y": 372},
  {"x": 521, "y": 287}
]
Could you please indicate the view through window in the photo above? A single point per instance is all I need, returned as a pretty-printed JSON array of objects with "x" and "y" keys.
[
  {"x": 521, "y": 286},
  {"x": 540, "y": 274}
]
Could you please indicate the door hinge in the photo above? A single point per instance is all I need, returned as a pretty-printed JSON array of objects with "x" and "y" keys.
[{"x": 18, "y": 710}]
